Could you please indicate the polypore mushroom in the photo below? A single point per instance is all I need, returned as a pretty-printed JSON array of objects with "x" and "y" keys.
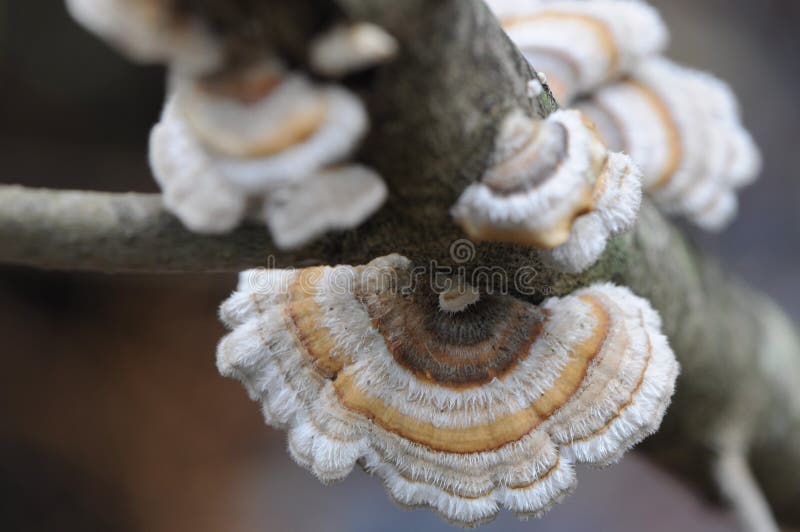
[
  {"x": 581, "y": 45},
  {"x": 345, "y": 49},
  {"x": 544, "y": 177},
  {"x": 682, "y": 127},
  {"x": 460, "y": 401},
  {"x": 301, "y": 212},
  {"x": 263, "y": 125},
  {"x": 152, "y": 31},
  {"x": 616, "y": 198},
  {"x": 261, "y": 135},
  {"x": 193, "y": 188}
]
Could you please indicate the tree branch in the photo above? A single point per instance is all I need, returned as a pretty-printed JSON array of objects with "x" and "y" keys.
[
  {"x": 74, "y": 230},
  {"x": 435, "y": 111},
  {"x": 738, "y": 486}
]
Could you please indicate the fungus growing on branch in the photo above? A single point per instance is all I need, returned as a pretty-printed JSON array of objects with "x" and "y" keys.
[
  {"x": 682, "y": 127},
  {"x": 460, "y": 401},
  {"x": 553, "y": 185},
  {"x": 679, "y": 125},
  {"x": 581, "y": 45},
  {"x": 261, "y": 135}
]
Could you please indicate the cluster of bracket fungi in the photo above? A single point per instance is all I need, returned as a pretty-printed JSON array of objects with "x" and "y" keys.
[{"x": 459, "y": 399}]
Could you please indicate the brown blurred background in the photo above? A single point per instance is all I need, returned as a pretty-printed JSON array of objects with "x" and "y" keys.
[{"x": 113, "y": 415}]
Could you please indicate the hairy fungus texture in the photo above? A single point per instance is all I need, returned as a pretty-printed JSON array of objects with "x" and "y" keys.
[
  {"x": 616, "y": 198},
  {"x": 553, "y": 185},
  {"x": 683, "y": 128},
  {"x": 581, "y": 45},
  {"x": 460, "y": 401},
  {"x": 193, "y": 188},
  {"x": 247, "y": 138},
  {"x": 266, "y": 138},
  {"x": 264, "y": 126},
  {"x": 151, "y": 31}
]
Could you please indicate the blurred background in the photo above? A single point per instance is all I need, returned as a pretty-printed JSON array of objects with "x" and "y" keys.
[{"x": 113, "y": 414}]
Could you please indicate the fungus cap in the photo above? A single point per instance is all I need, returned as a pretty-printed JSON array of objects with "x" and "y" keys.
[
  {"x": 580, "y": 45},
  {"x": 463, "y": 411},
  {"x": 262, "y": 142},
  {"x": 544, "y": 176},
  {"x": 263, "y": 125},
  {"x": 335, "y": 198},
  {"x": 682, "y": 126},
  {"x": 192, "y": 187}
]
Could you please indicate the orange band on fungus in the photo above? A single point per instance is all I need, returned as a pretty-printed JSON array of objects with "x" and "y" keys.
[
  {"x": 304, "y": 313},
  {"x": 480, "y": 438},
  {"x": 600, "y": 29},
  {"x": 673, "y": 133}
]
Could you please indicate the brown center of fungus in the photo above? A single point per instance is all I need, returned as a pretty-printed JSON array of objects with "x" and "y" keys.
[{"x": 483, "y": 341}]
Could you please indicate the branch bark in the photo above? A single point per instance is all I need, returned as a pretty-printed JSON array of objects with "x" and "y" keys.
[{"x": 435, "y": 111}]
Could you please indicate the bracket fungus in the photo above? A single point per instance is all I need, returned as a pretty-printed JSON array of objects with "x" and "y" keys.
[
  {"x": 301, "y": 212},
  {"x": 682, "y": 127},
  {"x": 151, "y": 31},
  {"x": 261, "y": 135},
  {"x": 553, "y": 185},
  {"x": 349, "y": 48},
  {"x": 679, "y": 125},
  {"x": 581, "y": 45},
  {"x": 461, "y": 401},
  {"x": 242, "y": 137}
]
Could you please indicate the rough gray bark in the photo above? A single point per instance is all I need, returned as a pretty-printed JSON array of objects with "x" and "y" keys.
[{"x": 435, "y": 111}]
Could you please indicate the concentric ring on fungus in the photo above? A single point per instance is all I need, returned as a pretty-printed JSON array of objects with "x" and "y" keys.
[
  {"x": 464, "y": 408},
  {"x": 683, "y": 128},
  {"x": 552, "y": 184},
  {"x": 259, "y": 141},
  {"x": 581, "y": 45}
]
